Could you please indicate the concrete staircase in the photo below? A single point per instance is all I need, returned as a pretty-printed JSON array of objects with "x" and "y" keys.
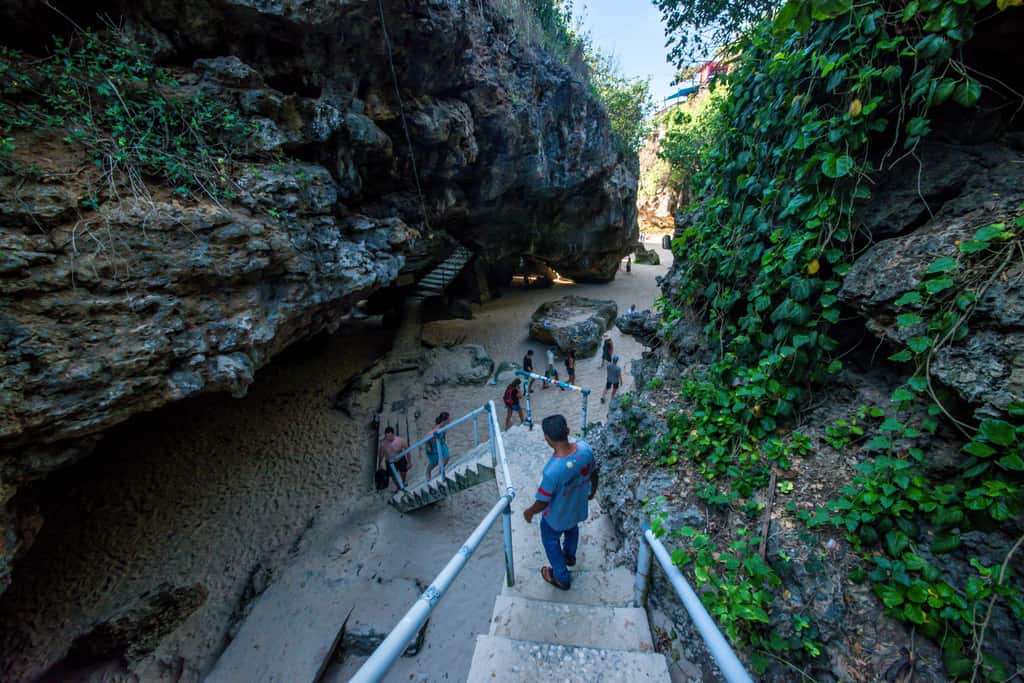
[
  {"x": 471, "y": 469},
  {"x": 437, "y": 280},
  {"x": 587, "y": 634}
]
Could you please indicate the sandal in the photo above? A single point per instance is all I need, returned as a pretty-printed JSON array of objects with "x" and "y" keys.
[
  {"x": 570, "y": 562},
  {"x": 546, "y": 574}
]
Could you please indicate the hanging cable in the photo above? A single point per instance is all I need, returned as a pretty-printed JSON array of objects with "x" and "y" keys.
[{"x": 401, "y": 111}]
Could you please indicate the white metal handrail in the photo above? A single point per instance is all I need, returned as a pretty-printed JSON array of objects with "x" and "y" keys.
[
  {"x": 432, "y": 435},
  {"x": 728, "y": 663},
  {"x": 584, "y": 393},
  {"x": 383, "y": 658}
]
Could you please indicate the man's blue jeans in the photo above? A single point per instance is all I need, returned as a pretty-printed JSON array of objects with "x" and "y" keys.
[{"x": 558, "y": 551}]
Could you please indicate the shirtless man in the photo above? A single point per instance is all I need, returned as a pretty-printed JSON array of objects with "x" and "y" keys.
[{"x": 391, "y": 446}]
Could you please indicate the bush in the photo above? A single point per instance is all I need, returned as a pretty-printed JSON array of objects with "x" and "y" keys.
[{"x": 104, "y": 94}]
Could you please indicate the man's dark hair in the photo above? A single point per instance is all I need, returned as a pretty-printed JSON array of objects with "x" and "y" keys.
[
  {"x": 555, "y": 428},
  {"x": 530, "y": 352},
  {"x": 389, "y": 430}
]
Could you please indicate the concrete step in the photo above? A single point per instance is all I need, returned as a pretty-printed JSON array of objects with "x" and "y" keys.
[
  {"x": 459, "y": 477},
  {"x": 612, "y": 628},
  {"x": 609, "y": 588},
  {"x": 503, "y": 659},
  {"x": 434, "y": 279}
]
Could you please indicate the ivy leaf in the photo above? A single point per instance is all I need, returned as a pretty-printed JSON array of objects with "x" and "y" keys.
[
  {"x": 967, "y": 92},
  {"x": 908, "y": 298},
  {"x": 919, "y": 344},
  {"x": 901, "y": 357},
  {"x": 902, "y": 395},
  {"x": 943, "y": 91},
  {"x": 973, "y": 246},
  {"x": 784, "y": 19},
  {"x": 998, "y": 432},
  {"x": 990, "y": 232},
  {"x": 822, "y": 10},
  {"x": 917, "y": 127},
  {"x": 918, "y": 383},
  {"x": 942, "y": 265},
  {"x": 879, "y": 443},
  {"x": 999, "y": 511},
  {"x": 937, "y": 285},
  {"x": 891, "y": 425},
  {"x": 837, "y": 167},
  {"x": 1012, "y": 462},
  {"x": 979, "y": 449},
  {"x": 913, "y": 613},
  {"x": 905, "y": 320}
]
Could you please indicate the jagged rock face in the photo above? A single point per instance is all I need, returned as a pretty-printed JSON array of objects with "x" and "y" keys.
[
  {"x": 962, "y": 188},
  {"x": 147, "y": 301}
]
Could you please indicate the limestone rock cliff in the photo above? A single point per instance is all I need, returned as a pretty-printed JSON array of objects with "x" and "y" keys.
[{"x": 362, "y": 148}]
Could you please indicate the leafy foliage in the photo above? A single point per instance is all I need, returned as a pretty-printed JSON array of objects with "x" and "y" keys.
[
  {"x": 690, "y": 132},
  {"x": 107, "y": 97},
  {"x": 627, "y": 100},
  {"x": 697, "y": 29},
  {"x": 822, "y": 96}
]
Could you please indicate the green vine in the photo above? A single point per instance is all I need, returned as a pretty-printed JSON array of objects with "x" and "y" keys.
[{"x": 821, "y": 98}]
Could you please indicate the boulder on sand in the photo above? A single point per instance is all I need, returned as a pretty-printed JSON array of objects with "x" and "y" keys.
[
  {"x": 643, "y": 256},
  {"x": 644, "y": 326},
  {"x": 573, "y": 322}
]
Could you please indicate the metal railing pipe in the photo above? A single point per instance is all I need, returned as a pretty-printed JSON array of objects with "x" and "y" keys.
[
  {"x": 499, "y": 446},
  {"x": 558, "y": 383},
  {"x": 728, "y": 663},
  {"x": 500, "y": 459},
  {"x": 376, "y": 667}
]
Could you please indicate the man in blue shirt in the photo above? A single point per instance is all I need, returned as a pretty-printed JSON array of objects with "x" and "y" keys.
[{"x": 568, "y": 482}]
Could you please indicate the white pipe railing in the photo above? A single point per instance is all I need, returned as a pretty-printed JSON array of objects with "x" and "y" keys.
[
  {"x": 383, "y": 658},
  {"x": 376, "y": 667},
  {"x": 728, "y": 663}
]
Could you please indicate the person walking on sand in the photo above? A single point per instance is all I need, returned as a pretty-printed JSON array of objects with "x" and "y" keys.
[
  {"x": 437, "y": 448},
  {"x": 570, "y": 366},
  {"x": 513, "y": 394},
  {"x": 568, "y": 483},
  {"x": 390, "y": 446},
  {"x": 549, "y": 371},
  {"x": 614, "y": 378},
  {"x": 606, "y": 351},
  {"x": 528, "y": 366}
]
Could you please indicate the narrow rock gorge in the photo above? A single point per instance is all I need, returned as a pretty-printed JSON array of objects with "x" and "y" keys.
[{"x": 354, "y": 145}]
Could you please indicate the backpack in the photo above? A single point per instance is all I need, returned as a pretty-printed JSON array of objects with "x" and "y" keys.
[
  {"x": 380, "y": 479},
  {"x": 511, "y": 395}
]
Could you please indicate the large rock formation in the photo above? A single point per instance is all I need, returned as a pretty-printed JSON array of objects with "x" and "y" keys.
[
  {"x": 147, "y": 298},
  {"x": 573, "y": 322}
]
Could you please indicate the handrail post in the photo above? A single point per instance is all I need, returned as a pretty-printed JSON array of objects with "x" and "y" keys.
[
  {"x": 476, "y": 432},
  {"x": 529, "y": 409},
  {"x": 586, "y": 399},
  {"x": 643, "y": 572},
  {"x": 506, "y": 532}
]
